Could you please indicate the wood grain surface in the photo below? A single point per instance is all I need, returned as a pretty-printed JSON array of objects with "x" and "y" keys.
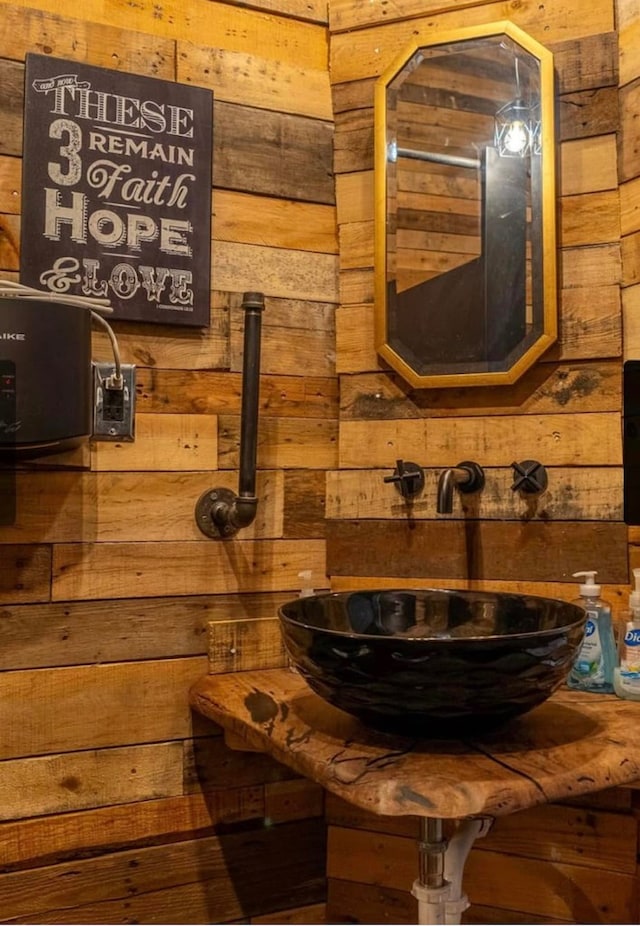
[{"x": 574, "y": 743}]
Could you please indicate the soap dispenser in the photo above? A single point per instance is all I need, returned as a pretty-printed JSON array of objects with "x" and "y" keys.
[
  {"x": 626, "y": 675},
  {"x": 593, "y": 667}
]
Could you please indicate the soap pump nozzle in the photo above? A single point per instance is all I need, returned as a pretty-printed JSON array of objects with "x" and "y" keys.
[
  {"x": 588, "y": 589},
  {"x": 634, "y": 597}
]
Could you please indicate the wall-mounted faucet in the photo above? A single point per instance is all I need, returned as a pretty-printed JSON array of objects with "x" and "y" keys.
[{"x": 466, "y": 477}]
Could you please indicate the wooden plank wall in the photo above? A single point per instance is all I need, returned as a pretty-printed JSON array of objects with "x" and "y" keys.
[
  {"x": 564, "y": 413},
  {"x": 116, "y": 804}
]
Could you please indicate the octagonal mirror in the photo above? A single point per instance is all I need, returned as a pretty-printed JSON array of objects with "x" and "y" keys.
[{"x": 465, "y": 251}]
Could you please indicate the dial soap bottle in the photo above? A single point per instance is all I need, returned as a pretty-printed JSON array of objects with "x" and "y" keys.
[
  {"x": 626, "y": 675},
  {"x": 593, "y": 667}
]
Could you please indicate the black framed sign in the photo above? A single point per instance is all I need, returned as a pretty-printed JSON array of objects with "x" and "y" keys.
[{"x": 116, "y": 190}]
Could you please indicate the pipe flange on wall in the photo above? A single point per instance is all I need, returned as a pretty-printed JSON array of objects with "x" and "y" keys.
[
  {"x": 222, "y": 513},
  {"x": 212, "y": 510}
]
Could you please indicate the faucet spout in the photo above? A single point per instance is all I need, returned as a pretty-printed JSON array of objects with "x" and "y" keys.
[{"x": 466, "y": 476}]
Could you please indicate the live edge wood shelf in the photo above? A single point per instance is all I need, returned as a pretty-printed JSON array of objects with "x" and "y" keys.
[{"x": 573, "y": 744}]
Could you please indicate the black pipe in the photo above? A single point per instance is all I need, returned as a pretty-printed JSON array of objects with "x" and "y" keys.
[
  {"x": 220, "y": 512},
  {"x": 253, "y": 305}
]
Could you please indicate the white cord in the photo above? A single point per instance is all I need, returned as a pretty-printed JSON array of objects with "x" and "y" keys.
[
  {"x": 115, "y": 381},
  {"x": 12, "y": 290}
]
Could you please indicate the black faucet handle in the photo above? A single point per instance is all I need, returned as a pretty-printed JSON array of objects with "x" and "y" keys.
[
  {"x": 408, "y": 478},
  {"x": 530, "y": 477}
]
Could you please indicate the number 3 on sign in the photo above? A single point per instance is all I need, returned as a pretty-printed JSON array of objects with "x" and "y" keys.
[{"x": 69, "y": 131}]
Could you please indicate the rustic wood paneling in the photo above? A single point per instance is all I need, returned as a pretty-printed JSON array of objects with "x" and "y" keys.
[
  {"x": 504, "y": 550},
  {"x": 269, "y": 868},
  {"x": 630, "y": 136},
  {"x": 588, "y": 164},
  {"x": 631, "y": 316},
  {"x": 12, "y": 79},
  {"x": 277, "y": 154},
  {"x": 247, "y": 78},
  {"x": 590, "y": 323},
  {"x": 140, "y": 570},
  {"x": 48, "y": 33},
  {"x": 92, "y": 778},
  {"x": 228, "y": 25},
  {"x": 283, "y": 442},
  {"x": 10, "y": 184},
  {"x": 350, "y": 14},
  {"x": 291, "y": 273},
  {"x": 592, "y": 218},
  {"x": 367, "y": 52},
  {"x": 296, "y": 225},
  {"x": 588, "y": 113},
  {"x": 628, "y": 34},
  {"x": 546, "y": 388},
  {"x": 204, "y": 392},
  {"x": 97, "y": 507},
  {"x": 25, "y": 573},
  {"x": 297, "y": 336},
  {"x": 238, "y": 645},
  {"x": 355, "y": 351},
  {"x": 9, "y": 242},
  {"x": 355, "y": 286},
  {"x": 136, "y": 702},
  {"x": 630, "y": 253},
  {"x": 591, "y": 439},
  {"x": 209, "y": 765},
  {"x": 306, "y": 329},
  {"x": 46, "y": 840},
  {"x": 288, "y": 800},
  {"x": 582, "y": 64},
  {"x": 162, "y": 442},
  {"x": 305, "y": 504},
  {"x": 138, "y": 628},
  {"x": 630, "y": 206}
]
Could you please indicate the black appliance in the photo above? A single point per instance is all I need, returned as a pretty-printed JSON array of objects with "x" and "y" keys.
[{"x": 45, "y": 376}]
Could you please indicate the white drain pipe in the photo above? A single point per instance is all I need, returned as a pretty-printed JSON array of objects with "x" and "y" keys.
[{"x": 438, "y": 888}]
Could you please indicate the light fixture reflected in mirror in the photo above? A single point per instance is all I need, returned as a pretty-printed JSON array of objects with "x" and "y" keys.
[
  {"x": 513, "y": 136},
  {"x": 517, "y": 125}
]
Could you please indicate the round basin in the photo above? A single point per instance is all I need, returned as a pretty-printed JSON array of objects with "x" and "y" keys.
[{"x": 432, "y": 662}]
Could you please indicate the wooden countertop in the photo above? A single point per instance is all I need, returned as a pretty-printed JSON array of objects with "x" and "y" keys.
[{"x": 573, "y": 744}]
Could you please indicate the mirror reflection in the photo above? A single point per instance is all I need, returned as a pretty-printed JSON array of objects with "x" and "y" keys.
[{"x": 465, "y": 226}]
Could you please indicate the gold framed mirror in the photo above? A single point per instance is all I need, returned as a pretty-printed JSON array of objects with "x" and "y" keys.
[{"x": 465, "y": 214}]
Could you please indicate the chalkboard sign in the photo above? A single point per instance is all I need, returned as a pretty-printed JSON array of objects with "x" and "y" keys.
[{"x": 116, "y": 190}]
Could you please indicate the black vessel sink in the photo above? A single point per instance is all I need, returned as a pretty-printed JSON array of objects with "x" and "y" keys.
[{"x": 432, "y": 662}]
